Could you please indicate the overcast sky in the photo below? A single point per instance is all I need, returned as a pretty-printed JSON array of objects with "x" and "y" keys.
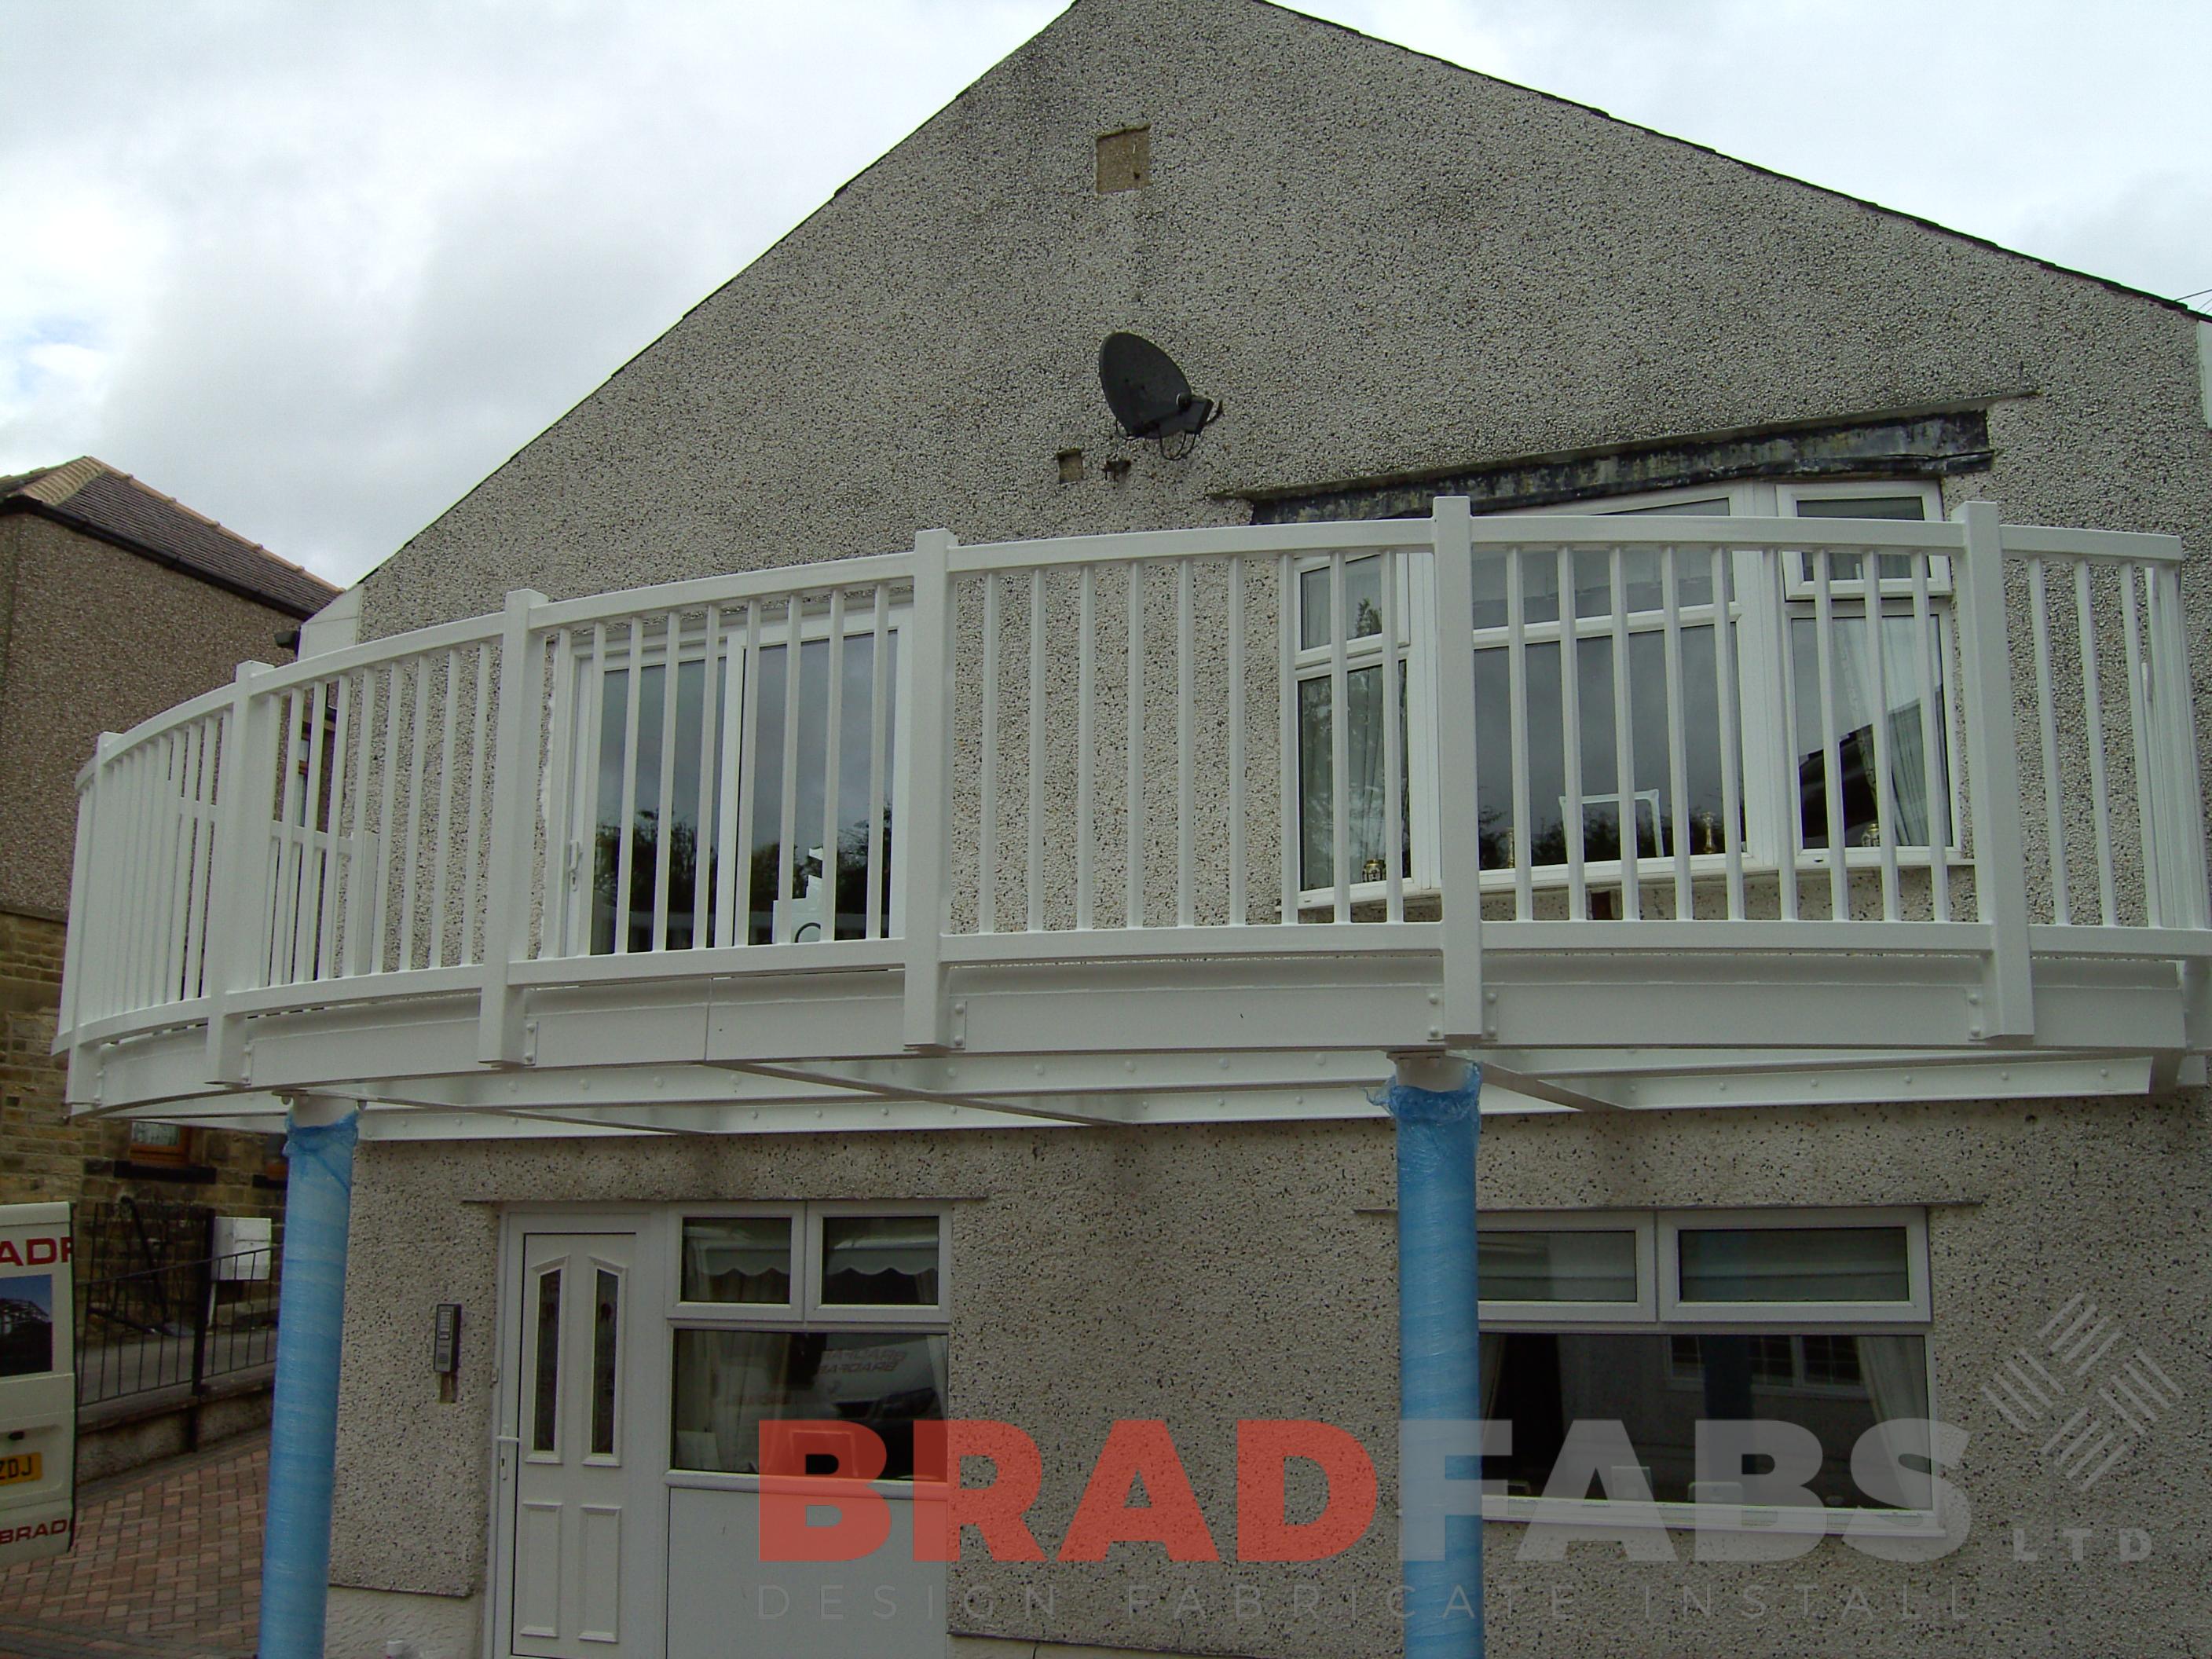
[{"x": 315, "y": 270}]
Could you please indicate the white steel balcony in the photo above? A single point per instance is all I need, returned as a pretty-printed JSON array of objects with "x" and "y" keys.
[{"x": 1055, "y": 829}]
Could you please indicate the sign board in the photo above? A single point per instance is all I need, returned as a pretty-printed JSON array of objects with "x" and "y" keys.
[{"x": 38, "y": 1384}]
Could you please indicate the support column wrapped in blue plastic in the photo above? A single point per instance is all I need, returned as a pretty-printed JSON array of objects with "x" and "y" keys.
[
  {"x": 1439, "y": 1340},
  {"x": 295, "y": 1560}
]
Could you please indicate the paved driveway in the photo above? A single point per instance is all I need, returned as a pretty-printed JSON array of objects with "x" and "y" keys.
[{"x": 167, "y": 1562}]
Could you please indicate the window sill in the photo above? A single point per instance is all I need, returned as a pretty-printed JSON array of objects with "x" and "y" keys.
[
  {"x": 1615, "y": 1514},
  {"x": 123, "y": 1169}
]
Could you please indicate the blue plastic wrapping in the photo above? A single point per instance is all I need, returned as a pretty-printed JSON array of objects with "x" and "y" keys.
[
  {"x": 295, "y": 1560},
  {"x": 1439, "y": 1339}
]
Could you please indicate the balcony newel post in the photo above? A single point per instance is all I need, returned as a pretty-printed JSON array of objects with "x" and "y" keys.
[
  {"x": 920, "y": 840},
  {"x": 79, "y": 939},
  {"x": 1451, "y": 643},
  {"x": 2008, "y": 1012},
  {"x": 238, "y": 890},
  {"x": 512, "y": 829}
]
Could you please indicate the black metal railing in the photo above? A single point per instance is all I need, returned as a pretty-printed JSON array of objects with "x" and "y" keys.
[{"x": 181, "y": 1325}]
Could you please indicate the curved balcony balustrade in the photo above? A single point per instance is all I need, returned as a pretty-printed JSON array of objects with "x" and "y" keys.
[{"x": 1652, "y": 810}]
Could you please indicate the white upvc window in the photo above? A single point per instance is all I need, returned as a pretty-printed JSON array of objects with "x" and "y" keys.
[
  {"x": 1772, "y": 643},
  {"x": 1656, "y": 1320},
  {"x": 816, "y": 1312},
  {"x": 772, "y": 830}
]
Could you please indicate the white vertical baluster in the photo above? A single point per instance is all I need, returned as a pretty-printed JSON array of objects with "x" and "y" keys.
[
  {"x": 1394, "y": 762},
  {"x": 703, "y": 827},
  {"x": 315, "y": 859},
  {"x": 441, "y": 833},
  {"x": 178, "y": 838},
  {"x": 572, "y": 790},
  {"x": 1286, "y": 731},
  {"x": 200, "y": 842},
  {"x": 2054, "y": 825},
  {"x": 922, "y": 840},
  {"x": 737, "y": 838},
  {"x": 420, "y": 742},
  {"x": 1624, "y": 747},
  {"x": 472, "y": 849},
  {"x": 1729, "y": 697},
  {"x": 663, "y": 797},
  {"x": 512, "y": 885},
  {"x": 168, "y": 760},
  {"x": 1571, "y": 729},
  {"x": 1033, "y": 886},
  {"x": 626, "y": 820},
  {"x": 1086, "y": 746},
  {"x": 336, "y": 870},
  {"x": 1340, "y": 765},
  {"x": 1516, "y": 697},
  {"x": 365, "y": 941},
  {"x": 364, "y": 870},
  {"x": 1463, "y": 1013},
  {"x": 795, "y": 684},
  {"x": 1185, "y": 741},
  {"x": 1788, "y": 806},
  {"x": 1831, "y": 763},
  {"x": 2178, "y": 784},
  {"x": 2008, "y": 1007},
  {"x": 987, "y": 792},
  {"x": 1678, "y": 778},
  {"x": 1132, "y": 895},
  {"x": 2139, "y": 735},
  {"x": 1236, "y": 850},
  {"x": 2093, "y": 706},
  {"x": 878, "y": 740},
  {"x": 291, "y": 820},
  {"x": 1928, "y": 649},
  {"x": 833, "y": 749},
  {"x": 1885, "y": 809}
]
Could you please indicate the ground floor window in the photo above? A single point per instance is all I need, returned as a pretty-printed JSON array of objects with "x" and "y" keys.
[
  {"x": 818, "y": 1312},
  {"x": 1657, "y": 1321}
]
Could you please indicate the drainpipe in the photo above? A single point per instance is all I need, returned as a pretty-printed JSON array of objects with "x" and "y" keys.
[
  {"x": 1433, "y": 1099},
  {"x": 295, "y": 1561}
]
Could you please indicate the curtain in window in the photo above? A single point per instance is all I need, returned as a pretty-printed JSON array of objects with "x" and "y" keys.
[
  {"x": 1896, "y": 1372},
  {"x": 1857, "y": 694}
]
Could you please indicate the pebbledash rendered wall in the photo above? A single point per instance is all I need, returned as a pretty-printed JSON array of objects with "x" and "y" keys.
[{"x": 1384, "y": 265}]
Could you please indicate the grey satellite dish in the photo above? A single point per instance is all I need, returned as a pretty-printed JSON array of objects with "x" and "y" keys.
[{"x": 1148, "y": 393}]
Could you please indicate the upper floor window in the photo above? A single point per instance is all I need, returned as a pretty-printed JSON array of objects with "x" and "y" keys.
[{"x": 1680, "y": 774}]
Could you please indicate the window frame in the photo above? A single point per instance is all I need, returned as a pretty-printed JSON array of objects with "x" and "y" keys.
[
  {"x": 805, "y": 1314},
  {"x": 1764, "y": 735},
  {"x": 1415, "y": 582},
  {"x": 1671, "y": 1317},
  {"x": 588, "y": 678},
  {"x": 806, "y": 1311}
]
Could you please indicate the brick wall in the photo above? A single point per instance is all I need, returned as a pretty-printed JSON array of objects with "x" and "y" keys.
[{"x": 44, "y": 1155}]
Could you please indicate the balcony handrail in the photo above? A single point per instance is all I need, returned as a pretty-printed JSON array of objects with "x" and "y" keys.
[{"x": 384, "y": 812}]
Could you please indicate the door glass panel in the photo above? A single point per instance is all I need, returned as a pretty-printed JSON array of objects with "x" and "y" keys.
[
  {"x": 737, "y": 1258},
  {"x": 879, "y": 1261},
  {"x": 688, "y": 845},
  {"x": 1794, "y": 1264},
  {"x": 1365, "y": 820},
  {"x": 1651, "y": 784},
  {"x": 1568, "y": 1265},
  {"x": 811, "y": 911},
  {"x": 606, "y": 1344},
  {"x": 1906, "y": 647},
  {"x": 545, "y": 1400},
  {"x": 727, "y": 1382}
]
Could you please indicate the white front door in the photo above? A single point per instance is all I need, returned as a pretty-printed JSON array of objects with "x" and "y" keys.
[{"x": 579, "y": 1452}]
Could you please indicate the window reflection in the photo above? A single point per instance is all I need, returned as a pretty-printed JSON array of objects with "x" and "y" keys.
[
  {"x": 1658, "y": 1386},
  {"x": 879, "y": 1261},
  {"x": 727, "y": 1382}
]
